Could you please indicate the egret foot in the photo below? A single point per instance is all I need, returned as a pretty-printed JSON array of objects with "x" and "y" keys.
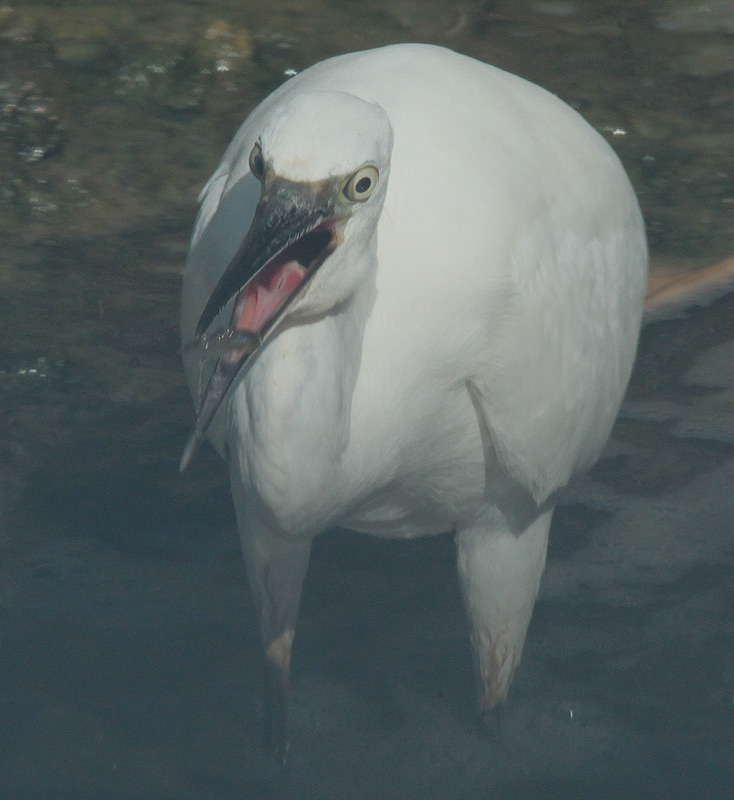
[
  {"x": 277, "y": 686},
  {"x": 489, "y": 722}
]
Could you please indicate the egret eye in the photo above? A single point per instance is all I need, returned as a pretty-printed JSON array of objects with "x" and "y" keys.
[
  {"x": 359, "y": 187},
  {"x": 257, "y": 162}
]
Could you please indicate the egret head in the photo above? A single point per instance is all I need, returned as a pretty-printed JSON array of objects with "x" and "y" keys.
[{"x": 323, "y": 160}]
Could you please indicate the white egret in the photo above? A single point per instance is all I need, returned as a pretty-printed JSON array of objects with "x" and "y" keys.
[{"x": 411, "y": 305}]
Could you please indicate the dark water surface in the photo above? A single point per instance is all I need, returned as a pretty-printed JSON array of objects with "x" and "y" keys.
[{"x": 129, "y": 658}]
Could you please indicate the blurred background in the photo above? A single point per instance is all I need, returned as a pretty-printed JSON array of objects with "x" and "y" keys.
[{"x": 129, "y": 661}]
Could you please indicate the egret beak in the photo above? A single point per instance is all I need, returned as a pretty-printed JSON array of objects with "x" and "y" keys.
[{"x": 296, "y": 227}]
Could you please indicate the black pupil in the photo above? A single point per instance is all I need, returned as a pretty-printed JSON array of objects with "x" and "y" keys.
[
  {"x": 257, "y": 164},
  {"x": 363, "y": 185}
]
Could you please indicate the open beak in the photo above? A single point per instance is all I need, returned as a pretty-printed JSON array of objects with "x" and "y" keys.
[{"x": 293, "y": 232}]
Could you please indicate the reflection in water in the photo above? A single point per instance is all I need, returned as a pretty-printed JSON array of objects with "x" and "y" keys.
[{"x": 129, "y": 653}]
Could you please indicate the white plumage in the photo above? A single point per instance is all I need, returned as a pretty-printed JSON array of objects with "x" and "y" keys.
[{"x": 460, "y": 352}]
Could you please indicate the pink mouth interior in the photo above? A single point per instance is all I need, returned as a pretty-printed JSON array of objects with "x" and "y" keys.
[
  {"x": 266, "y": 293},
  {"x": 270, "y": 289}
]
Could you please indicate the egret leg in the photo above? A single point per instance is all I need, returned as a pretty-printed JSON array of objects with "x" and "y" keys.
[
  {"x": 499, "y": 573},
  {"x": 276, "y": 567}
]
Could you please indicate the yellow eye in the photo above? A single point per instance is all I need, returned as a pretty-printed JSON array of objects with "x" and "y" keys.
[
  {"x": 360, "y": 186},
  {"x": 257, "y": 162}
]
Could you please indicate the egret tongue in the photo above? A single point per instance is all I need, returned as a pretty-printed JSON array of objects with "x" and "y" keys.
[{"x": 266, "y": 293}]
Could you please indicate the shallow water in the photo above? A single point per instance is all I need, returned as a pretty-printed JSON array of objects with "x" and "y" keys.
[{"x": 129, "y": 660}]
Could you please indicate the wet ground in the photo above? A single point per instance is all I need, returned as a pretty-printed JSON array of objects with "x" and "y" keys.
[{"x": 129, "y": 661}]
